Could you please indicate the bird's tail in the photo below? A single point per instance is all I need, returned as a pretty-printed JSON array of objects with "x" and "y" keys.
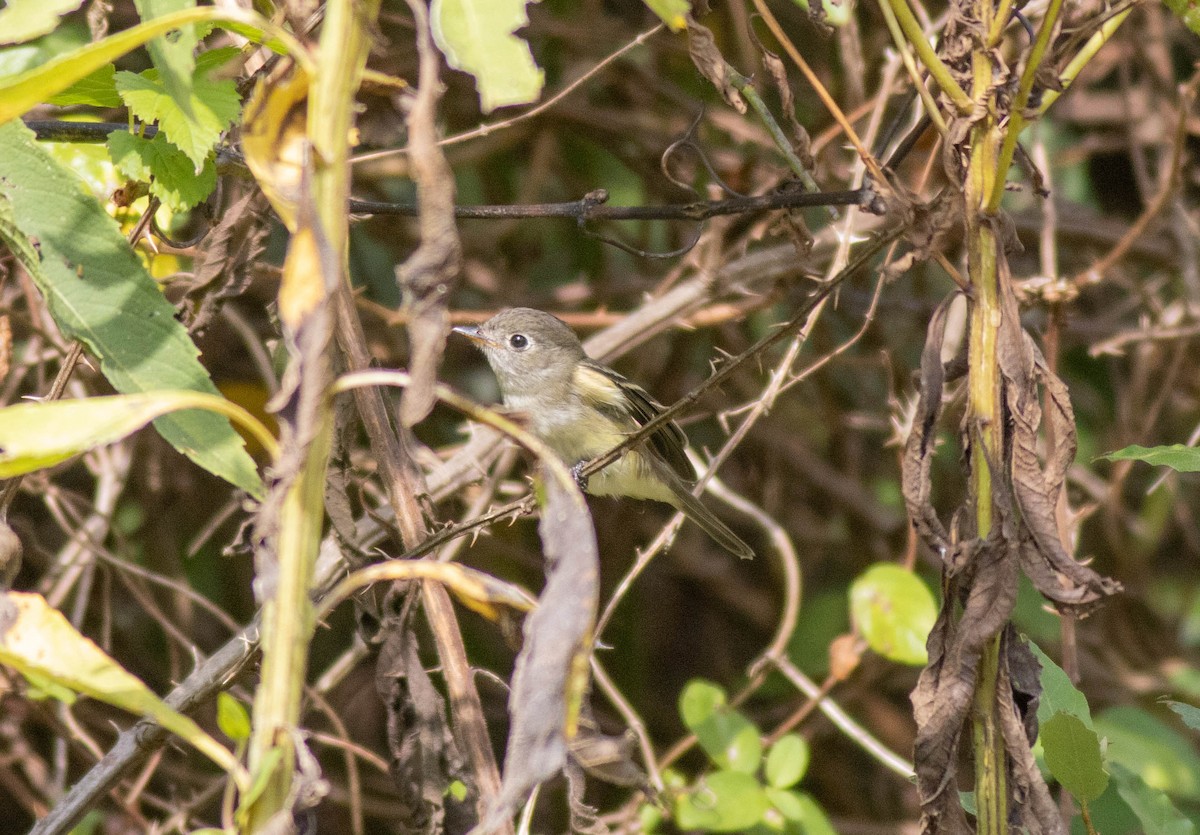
[{"x": 695, "y": 510}]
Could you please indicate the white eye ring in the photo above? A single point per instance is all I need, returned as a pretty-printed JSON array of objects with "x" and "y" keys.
[{"x": 519, "y": 341}]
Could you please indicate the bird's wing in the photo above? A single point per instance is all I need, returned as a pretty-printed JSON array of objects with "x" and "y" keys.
[{"x": 622, "y": 400}]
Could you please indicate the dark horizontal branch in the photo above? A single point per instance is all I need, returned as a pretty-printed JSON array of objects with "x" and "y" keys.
[{"x": 591, "y": 208}]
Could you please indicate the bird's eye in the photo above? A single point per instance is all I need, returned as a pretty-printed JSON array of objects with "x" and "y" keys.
[{"x": 519, "y": 341}]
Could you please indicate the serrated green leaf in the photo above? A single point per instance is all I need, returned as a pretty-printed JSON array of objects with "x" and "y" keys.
[
  {"x": 23, "y": 20},
  {"x": 167, "y": 169},
  {"x": 1154, "y": 810},
  {"x": 671, "y": 12},
  {"x": 787, "y": 761},
  {"x": 232, "y": 717},
  {"x": 99, "y": 89},
  {"x": 1184, "y": 459},
  {"x": 1059, "y": 695},
  {"x": 99, "y": 292},
  {"x": 894, "y": 612},
  {"x": 1073, "y": 756},
  {"x": 477, "y": 36},
  {"x": 20, "y": 92},
  {"x": 172, "y": 53},
  {"x": 213, "y": 107},
  {"x": 725, "y": 801}
]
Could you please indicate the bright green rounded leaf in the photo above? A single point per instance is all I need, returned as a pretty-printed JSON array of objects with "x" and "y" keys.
[
  {"x": 649, "y": 817},
  {"x": 729, "y": 738},
  {"x": 787, "y": 761},
  {"x": 232, "y": 718},
  {"x": 802, "y": 815},
  {"x": 671, "y": 12},
  {"x": 1073, "y": 756},
  {"x": 699, "y": 701},
  {"x": 725, "y": 801},
  {"x": 477, "y": 37},
  {"x": 813, "y": 817},
  {"x": 894, "y": 612},
  {"x": 739, "y": 740}
]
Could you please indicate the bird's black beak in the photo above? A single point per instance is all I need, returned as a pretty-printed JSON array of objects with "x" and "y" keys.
[{"x": 473, "y": 333}]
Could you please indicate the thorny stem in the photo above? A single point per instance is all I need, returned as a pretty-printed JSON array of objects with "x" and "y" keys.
[
  {"x": 1016, "y": 117},
  {"x": 937, "y": 69},
  {"x": 746, "y": 88},
  {"x": 931, "y": 108},
  {"x": 287, "y": 611},
  {"x": 986, "y": 419}
]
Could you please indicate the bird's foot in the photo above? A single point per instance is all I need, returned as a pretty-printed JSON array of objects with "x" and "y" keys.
[{"x": 578, "y": 475}]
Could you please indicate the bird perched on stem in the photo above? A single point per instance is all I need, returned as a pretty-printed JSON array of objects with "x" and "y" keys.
[{"x": 582, "y": 409}]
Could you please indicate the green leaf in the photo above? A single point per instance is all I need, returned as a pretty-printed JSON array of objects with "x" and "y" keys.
[
  {"x": 232, "y": 718},
  {"x": 99, "y": 292},
  {"x": 800, "y": 809},
  {"x": 42, "y": 434},
  {"x": 261, "y": 778},
  {"x": 212, "y": 107},
  {"x": 1184, "y": 459},
  {"x": 835, "y": 13},
  {"x": 42, "y": 645},
  {"x": 699, "y": 701},
  {"x": 1188, "y": 12},
  {"x": 1059, "y": 695},
  {"x": 671, "y": 12},
  {"x": 23, "y": 20},
  {"x": 18, "y": 93},
  {"x": 476, "y": 36},
  {"x": 894, "y": 612},
  {"x": 26, "y": 56},
  {"x": 172, "y": 53},
  {"x": 729, "y": 738},
  {"x": 98, "y": 89},
  {"x": 725, "y": 801},
  {"x": 1149, "y": 748},
  {"x": 787, "y": 761},
  {"x": 1073, "y": 756},
  {"x": 1154, "y": 810},
  {"x": 167, "y": 169},
  {"x": 1188, "y": 713}
]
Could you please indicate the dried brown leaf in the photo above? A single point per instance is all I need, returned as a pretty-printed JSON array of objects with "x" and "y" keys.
[
  {"x": 420, "y": 745},
  {"x": 1036, "y": 489},
  {"x": 702, "y": 46},
  {"x": 918, "y": 451},
  {"x": 227, "y": 258},
  {"x": 1029, "y": 797},
  {"x": 773, "y": 64},
  {"x": 550, "y": 676}
]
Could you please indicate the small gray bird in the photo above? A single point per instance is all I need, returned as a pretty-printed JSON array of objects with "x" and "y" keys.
[{"x": 582, "y": 409}]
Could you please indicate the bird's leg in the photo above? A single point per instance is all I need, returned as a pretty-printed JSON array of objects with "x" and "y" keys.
[{"x": 580, "y": 478}]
